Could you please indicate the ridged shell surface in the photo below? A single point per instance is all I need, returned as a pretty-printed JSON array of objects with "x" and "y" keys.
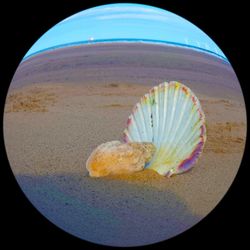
[{"x": 170, "y": 116}]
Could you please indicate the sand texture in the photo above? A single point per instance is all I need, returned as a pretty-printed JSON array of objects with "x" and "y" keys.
[{"x": 54, "y": 120}]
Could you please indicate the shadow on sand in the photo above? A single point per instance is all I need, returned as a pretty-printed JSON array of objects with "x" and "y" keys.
[{"x": 108, "y": 212}]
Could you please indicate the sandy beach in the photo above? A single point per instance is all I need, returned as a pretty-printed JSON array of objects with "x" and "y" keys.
[{"x": 64, "y": 103}]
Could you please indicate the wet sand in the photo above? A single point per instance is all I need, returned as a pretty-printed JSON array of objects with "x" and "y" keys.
[{"x": 54, "y": 120}]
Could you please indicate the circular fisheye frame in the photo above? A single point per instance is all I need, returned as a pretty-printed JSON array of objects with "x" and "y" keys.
[{"x": 124, "y": 125}]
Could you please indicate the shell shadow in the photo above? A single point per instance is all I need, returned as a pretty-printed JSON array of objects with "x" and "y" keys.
[{"x": 108, "y": 212}]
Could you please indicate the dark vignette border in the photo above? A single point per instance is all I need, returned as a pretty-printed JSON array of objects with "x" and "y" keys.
[{"x": 24, "y": 22}]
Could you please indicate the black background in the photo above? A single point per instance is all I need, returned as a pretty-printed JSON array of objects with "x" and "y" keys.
[{"x": 23, "y": 22}]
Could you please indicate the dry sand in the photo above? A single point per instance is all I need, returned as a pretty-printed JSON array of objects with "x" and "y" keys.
[{"x": 51, "y": 127}]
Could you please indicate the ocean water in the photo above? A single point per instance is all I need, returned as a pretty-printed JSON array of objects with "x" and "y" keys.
[{"x": 128, "y": 40}]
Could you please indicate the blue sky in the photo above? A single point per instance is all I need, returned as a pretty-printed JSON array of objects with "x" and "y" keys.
[{"x": 125, "y": 21}]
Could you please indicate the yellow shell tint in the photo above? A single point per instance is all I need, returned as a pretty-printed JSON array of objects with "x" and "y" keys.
[{"x": 114, "y": 157}]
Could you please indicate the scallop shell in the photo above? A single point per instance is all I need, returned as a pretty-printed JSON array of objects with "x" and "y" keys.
[{"x": 169, "y": 116}]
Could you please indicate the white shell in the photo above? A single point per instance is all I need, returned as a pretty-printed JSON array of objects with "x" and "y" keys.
[{"x": 169, "y": 116}]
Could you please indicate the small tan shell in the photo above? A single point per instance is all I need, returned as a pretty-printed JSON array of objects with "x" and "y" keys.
[{"x": 115, "y": 157}]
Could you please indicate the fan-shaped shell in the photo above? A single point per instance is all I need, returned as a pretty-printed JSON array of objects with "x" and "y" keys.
[{"x": 170, "y": 116}]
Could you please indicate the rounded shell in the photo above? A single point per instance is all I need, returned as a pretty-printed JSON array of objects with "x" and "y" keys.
[{"x": 170, "y": 116}]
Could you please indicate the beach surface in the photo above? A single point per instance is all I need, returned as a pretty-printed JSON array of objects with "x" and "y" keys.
[{"x": 62, "y": 104}]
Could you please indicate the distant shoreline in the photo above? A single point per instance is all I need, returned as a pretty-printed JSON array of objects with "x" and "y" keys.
[
  {"x": 136, "y": 41},
  {"x": 121, "y": 63}
]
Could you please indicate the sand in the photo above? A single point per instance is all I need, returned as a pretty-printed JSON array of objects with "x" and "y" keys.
[{"x": 51, "y": 127}]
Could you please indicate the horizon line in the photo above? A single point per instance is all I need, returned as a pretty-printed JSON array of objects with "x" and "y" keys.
[{"x": 128, "y": 40}]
